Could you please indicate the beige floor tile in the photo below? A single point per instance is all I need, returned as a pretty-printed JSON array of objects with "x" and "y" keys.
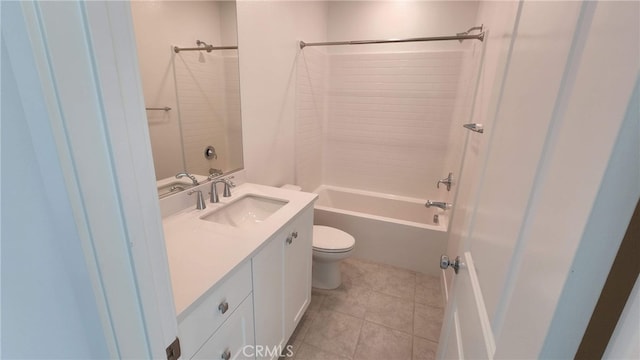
[
  {"x": 429, "y": 296},
  {"x": 390, "y": 311},
  {"x": 309, "y": 352},
  {"x": 350, "y": 300},
  {"x": 427, "y": 321},
  {"x": 316, "y": 302},
  {"x": 428, "y": 281},
  {"x": 334, "y": 332},
  {"x": 392, "y": 281},
  {"x": 402, "y": 313},
  {"x": 302, "y": 328},
  {"x": 355, "y": 269},
  {"x": 424, "y": 349},
  {"x": 380, "y": 342}
]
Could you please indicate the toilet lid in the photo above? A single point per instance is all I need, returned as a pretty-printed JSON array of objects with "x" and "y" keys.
[{"x": 330, "y": 239}]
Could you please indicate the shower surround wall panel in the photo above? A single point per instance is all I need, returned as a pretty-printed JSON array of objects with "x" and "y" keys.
[
  {"x": 310, "y": 118},
  {"x": 388, "y": 122},
  {"x": 202, "y": 104}
]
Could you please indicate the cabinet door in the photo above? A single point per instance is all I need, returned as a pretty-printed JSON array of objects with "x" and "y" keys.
[
  {"x": 297, "y": 270},
  {"x": 234, "y": 339},
  {"x": 268, "y": 290}
]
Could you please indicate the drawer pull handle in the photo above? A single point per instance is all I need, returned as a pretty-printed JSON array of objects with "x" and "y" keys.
[
  {"x": 226, "y": 355},
  {"x": 223, "y": 307}
]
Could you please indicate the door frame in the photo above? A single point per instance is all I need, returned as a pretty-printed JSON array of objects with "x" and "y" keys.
[{"x": 89, "y": 81}]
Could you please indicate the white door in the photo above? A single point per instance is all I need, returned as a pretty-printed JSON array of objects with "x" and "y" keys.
[{"x": 545, "y": 107}]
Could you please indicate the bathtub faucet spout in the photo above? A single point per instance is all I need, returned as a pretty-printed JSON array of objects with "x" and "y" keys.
[{"x": 438, "y": 204}]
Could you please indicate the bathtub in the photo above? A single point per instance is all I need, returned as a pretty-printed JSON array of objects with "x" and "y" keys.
[{"x": 394, "y": 230}]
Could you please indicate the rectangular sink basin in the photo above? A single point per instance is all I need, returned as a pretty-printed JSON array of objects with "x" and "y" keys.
[{"x": 248, "y": 210}]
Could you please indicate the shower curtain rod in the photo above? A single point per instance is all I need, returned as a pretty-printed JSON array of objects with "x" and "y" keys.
[
  {"x": 206, "y": 47},
  {"x": 459, "y": 36}
]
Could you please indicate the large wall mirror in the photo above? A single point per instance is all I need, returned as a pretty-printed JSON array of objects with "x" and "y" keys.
[{"x": 192, "y": 93}]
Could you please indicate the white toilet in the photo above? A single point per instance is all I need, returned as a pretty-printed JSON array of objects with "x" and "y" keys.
[{"x": 330, "y": 245}]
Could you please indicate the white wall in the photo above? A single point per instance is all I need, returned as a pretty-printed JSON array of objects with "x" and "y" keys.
[
  {"x": 365, "y": 20},
  {"x": 199, "y": 93},
  {"x": 48, "y": 306},
  {"x": 268, "y": 35},
  {"x": 310, "y": 118}
]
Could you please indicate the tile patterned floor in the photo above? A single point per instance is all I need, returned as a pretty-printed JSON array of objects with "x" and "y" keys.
[{"x": 379, "y": 312}]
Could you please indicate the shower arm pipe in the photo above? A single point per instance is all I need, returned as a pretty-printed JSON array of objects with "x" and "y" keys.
[
  {"x": 459, "y": 37},
  {"x": 207, "y": 48}
]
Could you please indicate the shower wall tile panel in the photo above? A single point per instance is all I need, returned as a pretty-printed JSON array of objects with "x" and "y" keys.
[
  {"x": 202, "y": 92},
  {"x": 311, "y": 87},
  {"x": 388, "y": 120}
]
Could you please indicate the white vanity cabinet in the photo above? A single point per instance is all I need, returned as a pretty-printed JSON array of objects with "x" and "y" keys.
[
  {"x": 282, "y": 283},
  {"x": 216, "y": 310},
  {"x": 234, "y": 339},
  {"x": 240, "y": 288}
]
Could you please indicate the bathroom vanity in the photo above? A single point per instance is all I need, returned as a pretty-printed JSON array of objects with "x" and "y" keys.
[{"x": 240, "y": 270}]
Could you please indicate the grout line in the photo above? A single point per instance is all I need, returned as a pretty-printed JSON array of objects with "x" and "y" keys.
[{"x": 358, "y": 341}]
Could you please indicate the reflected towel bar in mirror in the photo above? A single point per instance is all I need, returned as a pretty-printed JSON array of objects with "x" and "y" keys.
[{"x": 166, "y": 108}]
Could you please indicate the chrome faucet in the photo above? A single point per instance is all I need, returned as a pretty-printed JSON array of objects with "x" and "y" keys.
[
  {"x": 228, "y": 184},
  {"x": 438, "y": 204},
  {"x": 200, "y": 204},
  {"x": 183, "y": 174}
]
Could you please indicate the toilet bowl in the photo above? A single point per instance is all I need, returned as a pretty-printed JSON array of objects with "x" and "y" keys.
[{"x": 330, "y": 245}]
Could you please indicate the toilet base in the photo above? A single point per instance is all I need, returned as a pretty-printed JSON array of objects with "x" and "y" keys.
[{"x": 326, "y": 275}]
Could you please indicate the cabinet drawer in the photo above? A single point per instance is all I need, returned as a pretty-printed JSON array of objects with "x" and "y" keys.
[
  {"x": 212, "y": 309},
  {"x": 230, "y": 339}
]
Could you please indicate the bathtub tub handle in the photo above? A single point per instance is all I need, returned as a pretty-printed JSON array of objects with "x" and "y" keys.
[{"x": 448, "y": 181}]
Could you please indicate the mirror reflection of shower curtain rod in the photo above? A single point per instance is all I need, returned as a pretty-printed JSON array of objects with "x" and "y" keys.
[
  {"x": 203, "y": 46},
  {"x": 459, "y": 36}
]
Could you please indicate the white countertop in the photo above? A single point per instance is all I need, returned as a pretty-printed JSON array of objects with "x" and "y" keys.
[{"x": 201, "y": 253}]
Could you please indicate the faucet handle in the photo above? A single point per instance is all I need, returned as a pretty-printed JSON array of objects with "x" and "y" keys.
[
  {"x": 200, "y": 204},
  {"x": 228, "y": 184}
]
